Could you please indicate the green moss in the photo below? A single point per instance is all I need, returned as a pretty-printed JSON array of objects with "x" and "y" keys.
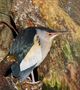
[
  {"x": 55, "y": 87},
  {"x": 67, "y": 50}
]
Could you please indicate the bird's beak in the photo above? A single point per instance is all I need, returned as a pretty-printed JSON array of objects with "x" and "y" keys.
[
  {"x": 53, "y": 35},
  {"x": 56, "y": 33}
]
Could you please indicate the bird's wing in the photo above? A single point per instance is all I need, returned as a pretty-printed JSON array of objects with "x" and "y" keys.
[
  {"x": 20, "y": 47},
  {"x": 34, "y": 56},
  {"x": 22, "y": 44}
]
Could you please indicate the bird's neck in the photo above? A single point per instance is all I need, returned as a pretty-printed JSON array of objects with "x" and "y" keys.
[
  {"x": 45, "y": 47},
  {"x": 45, "y": 43}
]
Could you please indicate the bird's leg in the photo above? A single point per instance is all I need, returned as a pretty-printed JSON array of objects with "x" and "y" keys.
[{"x": 32, "y": 75}]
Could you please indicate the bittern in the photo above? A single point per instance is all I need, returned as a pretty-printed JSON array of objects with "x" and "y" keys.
[{"x": 30, "y": 47}]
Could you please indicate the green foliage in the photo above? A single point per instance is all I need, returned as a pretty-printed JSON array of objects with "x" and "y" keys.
[
  {"x": 48, "y": 87},
  {"x": 67, "y": 51}
]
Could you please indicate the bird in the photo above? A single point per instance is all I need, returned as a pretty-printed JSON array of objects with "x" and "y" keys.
[{"x": 30, "y": 48}]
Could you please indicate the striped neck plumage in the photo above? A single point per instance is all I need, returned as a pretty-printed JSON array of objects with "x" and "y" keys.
[{"x": 45, "y": 43}]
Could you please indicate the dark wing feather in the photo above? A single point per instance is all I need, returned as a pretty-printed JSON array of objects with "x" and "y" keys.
[
  {"x": 21, "y": 46},
  {"x": 23, "y": 43}
]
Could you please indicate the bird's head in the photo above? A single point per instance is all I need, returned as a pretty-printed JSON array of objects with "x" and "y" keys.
[{"x": 47, "y": 34}]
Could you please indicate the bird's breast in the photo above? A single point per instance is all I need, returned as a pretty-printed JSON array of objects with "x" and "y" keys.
[{"x": 33, "y": 57}]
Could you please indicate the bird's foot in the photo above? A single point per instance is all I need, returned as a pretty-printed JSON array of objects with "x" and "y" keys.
[{"x": 32, "y": 85}]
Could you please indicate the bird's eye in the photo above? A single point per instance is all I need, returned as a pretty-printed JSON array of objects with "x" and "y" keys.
[{"x": 49, "y": 34}]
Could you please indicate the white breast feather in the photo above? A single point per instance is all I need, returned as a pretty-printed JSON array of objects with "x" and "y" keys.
[{"x": 34, "y": 56}]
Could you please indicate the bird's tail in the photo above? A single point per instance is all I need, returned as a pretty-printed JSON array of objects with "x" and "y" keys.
[{"x": 24, "y": 74}]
